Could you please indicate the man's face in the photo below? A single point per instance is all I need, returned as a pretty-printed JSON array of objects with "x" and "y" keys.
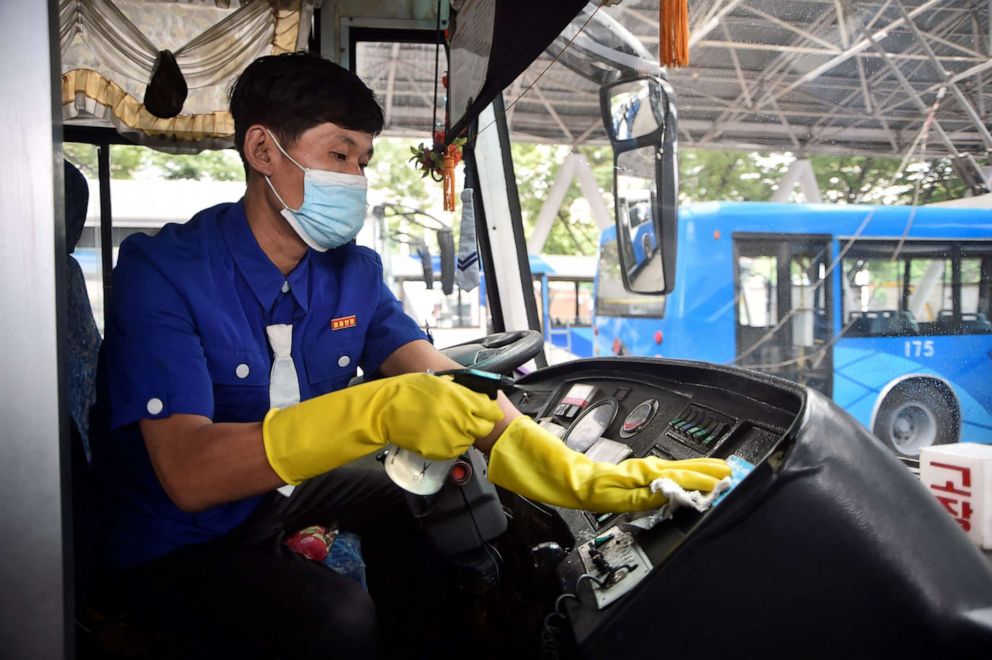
[{"x": 324, "y": 147}]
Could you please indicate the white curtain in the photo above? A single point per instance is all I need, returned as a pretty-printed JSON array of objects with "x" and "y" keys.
[{"x": 121, "y": 39}]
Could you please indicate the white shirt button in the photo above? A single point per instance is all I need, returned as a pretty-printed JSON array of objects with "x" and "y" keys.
[
  {"x": 285, "y": 286},
  {"x": 155, "y": 406},
  {"x": 242, "y": 371},
  {"x": 344, "y": 361}
]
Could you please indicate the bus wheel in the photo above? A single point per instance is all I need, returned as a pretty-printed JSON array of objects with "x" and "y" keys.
[{"x": 912, "y": 418}]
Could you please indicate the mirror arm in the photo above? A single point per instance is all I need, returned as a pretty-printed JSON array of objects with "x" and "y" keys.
[{"x": 669, "y": 193}]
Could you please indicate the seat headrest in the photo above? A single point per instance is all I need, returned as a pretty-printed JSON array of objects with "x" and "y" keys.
[{"x": 77, "y": 199}]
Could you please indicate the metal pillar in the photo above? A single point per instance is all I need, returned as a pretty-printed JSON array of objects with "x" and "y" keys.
[
  {"x": 511, "y": 270},
  {"x": 549, "y": 210},
  {"x": 799, "y": 172},
  {"x": 575, "y": 166},
  {"x": 35, "y": 586}
]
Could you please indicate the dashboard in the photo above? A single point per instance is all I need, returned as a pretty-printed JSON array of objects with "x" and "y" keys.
[
  {"x": 824, "y": 534},
  {"x": 614, "y": 411}
]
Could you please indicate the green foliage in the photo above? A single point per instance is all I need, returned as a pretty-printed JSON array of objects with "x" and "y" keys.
[
  {"x": 871, "y": 180},
  {"x": 754, "y": 176},
  {"x": 728, "y": 175},
  {"x": 391, "y": 172},
  {"x": 704, "y": 175},
  {"x": 129, "y": 162},
  {"x": 535, "y": 166}
]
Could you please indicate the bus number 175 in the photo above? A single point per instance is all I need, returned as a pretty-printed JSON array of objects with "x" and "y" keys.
[{"x": 919, "y": 348}]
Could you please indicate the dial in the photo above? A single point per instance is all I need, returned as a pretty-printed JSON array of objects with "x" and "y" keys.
[
  {"x": 591, "y": 424},
  {"x": 638, "y": 418}
]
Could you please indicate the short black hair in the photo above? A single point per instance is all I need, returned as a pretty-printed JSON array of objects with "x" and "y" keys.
[{"x": 293, "y": 92}]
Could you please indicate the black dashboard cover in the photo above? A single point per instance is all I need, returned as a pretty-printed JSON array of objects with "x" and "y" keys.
[
  {"x": 832, "y": 549},
  {"x": 516, "y": 44}
]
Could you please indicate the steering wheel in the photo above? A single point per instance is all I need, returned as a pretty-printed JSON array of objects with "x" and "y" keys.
[{"x": 499, "y": 353}]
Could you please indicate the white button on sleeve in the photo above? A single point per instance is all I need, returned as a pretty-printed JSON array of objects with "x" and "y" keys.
[
  {"x": 344, "y": 361},
  {"x": 155, "y": 406},
  {"x": 242, "y": 371}
]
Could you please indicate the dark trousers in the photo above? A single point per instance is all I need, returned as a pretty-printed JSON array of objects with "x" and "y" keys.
[{"x": 248, "y": 595}]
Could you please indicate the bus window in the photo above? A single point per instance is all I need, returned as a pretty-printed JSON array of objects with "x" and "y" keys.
[
  {"x": 976, "y": 303},
  {"x": 148, "y": 189},
  {"x": 928, "y": 295},
  {"x": 757, "y": 303},
  {"x": 569, "y": 302},
  {"x": 783, "y": 323},
  {"x": 611, "y": 297},
  {"x": 926, "y": 290}
]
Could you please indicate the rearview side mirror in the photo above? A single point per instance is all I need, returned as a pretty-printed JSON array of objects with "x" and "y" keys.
[{"x": 641, "y": 121}]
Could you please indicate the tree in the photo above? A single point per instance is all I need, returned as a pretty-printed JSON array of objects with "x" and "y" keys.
[
  {"x": 130, "y": 161},
  {"x": 535, "y": 167}
]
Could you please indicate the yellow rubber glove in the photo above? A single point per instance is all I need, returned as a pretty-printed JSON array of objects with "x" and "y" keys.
[
  {"x": 427, "y": 414},
  {"x": 532, "y": 462}
]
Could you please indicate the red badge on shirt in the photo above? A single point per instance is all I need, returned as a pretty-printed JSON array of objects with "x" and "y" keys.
[{"x": 343, "y": 322}]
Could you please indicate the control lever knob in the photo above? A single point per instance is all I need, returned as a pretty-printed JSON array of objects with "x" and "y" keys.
[{"x": 546, "y": 556}]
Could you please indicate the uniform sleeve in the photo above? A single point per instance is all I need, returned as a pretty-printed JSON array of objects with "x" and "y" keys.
[
  {"x": 155, "y": 361},
  {"x": 390, "y": 329}
]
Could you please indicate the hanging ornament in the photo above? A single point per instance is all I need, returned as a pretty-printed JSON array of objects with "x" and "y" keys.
[
  {"x": 452, "y": 156},
  {"x": 439, "y": 162},
  {"x": 673, "y": 37}
]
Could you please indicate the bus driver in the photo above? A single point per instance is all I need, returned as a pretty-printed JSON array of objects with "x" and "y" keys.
[{"x": 230, "y": 341}]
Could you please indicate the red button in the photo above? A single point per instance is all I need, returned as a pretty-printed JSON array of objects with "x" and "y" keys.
[{"x": 460, "y": 473}]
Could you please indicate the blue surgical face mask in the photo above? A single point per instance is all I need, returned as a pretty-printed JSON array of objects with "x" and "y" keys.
[{"x": 333, "y": 208}]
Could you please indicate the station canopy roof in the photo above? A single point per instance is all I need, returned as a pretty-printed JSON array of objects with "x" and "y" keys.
[{"x": 876, "y": 77}]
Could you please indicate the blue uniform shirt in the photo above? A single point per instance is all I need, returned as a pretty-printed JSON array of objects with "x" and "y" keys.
[{"x": 187, "y": 335}]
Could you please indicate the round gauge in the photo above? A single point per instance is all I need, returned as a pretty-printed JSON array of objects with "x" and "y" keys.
[
  {"x": 638, "y": 418},
  {"x": 591, "y": 424}
]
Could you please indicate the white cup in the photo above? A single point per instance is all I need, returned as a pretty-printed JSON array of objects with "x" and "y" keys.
[{"x": 414, "y": 473}]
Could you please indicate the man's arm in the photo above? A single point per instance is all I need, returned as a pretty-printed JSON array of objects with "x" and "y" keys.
[
  {"x": 201, "y": 464},
  {"x": 421, "y": 355}
]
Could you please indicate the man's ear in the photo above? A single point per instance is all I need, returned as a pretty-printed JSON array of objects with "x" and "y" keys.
[{"x": 258, "y": 150}]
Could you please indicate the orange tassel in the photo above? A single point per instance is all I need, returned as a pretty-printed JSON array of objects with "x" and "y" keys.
[
  {"x": 673, "y": 37},
  {"x": 448, "y": 172}
]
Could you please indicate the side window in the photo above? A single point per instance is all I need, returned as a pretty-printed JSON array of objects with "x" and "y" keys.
[
  {"x": 570, "y": 302},
  {"x": 929, "y": 294},
  {"x": 918, "y": 288},
  {"x": 757, "y": 305},
  {"x": 877, "y": 289},
  {"x": 976, "y": 290},
  {"x": 148, "y": 189}
]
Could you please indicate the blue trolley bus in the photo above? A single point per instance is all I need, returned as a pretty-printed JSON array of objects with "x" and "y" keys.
[{"x": 886, "y": 309}]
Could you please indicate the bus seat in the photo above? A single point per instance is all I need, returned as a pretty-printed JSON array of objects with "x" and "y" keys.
[
  {"x": 858, "y": 325},
  {"x": 975, "y": 322},
  {"x": 905, "y": 323},
  {"x": 82, "y": 349},
  {"x": 882, "y": 323},
  {"x": 970, "y": 323},
  {"x": 83, "y": 335}
]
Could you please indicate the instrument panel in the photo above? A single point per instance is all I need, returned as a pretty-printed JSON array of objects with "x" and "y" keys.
[
  {"x": 614, "y": 414},
  {"x": 820, "y": 519},
  {"x": 615, "y": 409}
]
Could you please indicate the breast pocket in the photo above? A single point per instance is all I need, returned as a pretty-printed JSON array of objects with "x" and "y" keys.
[
  {"x": 330, "y": 367},
  {"x": 241, "y": 383}
]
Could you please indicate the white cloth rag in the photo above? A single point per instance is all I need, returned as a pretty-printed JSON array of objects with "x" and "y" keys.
[{"x": 678, "y": 497}]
